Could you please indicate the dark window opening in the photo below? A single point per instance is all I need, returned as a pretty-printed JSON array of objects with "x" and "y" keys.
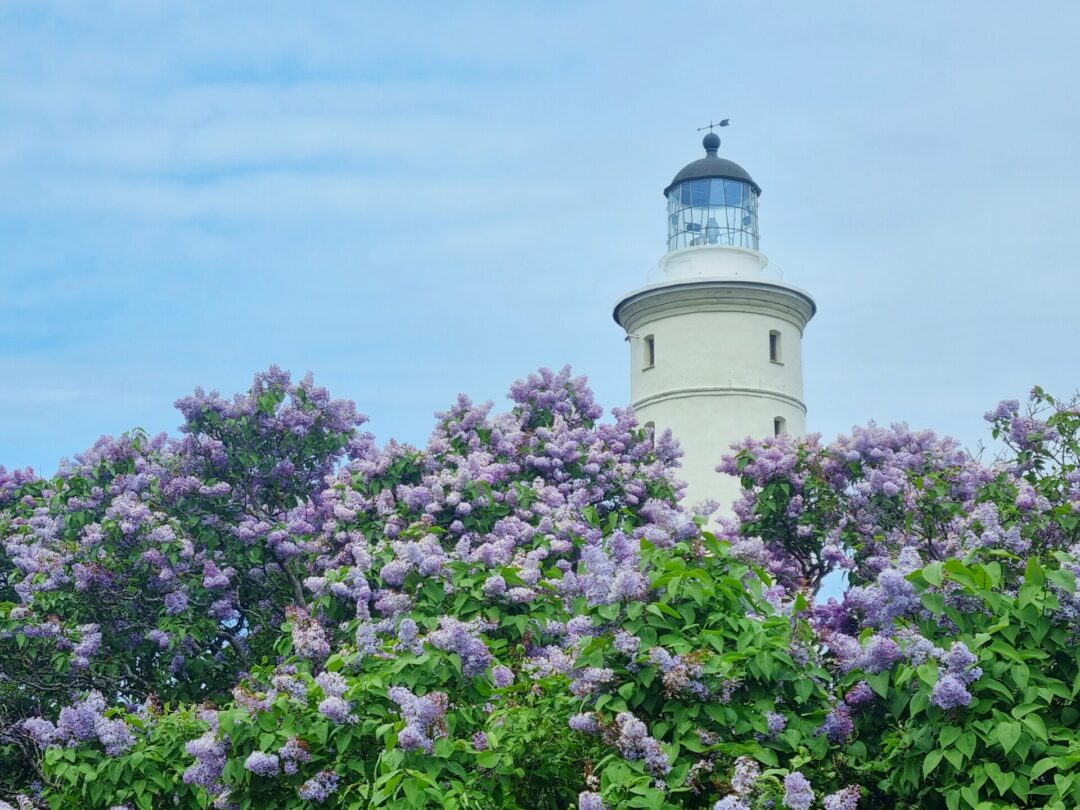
[{"x": 774, "y": 347}]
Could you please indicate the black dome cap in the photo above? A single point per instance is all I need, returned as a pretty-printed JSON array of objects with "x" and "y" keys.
[{"x": 712, "y": 166}]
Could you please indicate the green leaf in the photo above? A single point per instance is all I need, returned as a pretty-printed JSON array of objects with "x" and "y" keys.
[
  {"x": 1007, "y": 735},
  {"x": 931, "y": 761},
  {"x": 1042, "y": 766},
  {"x": 934, "y": 602},
  {"x": 1064, "y": 579},
  {"x": 1034, "y": 574},
  {"x": 966, "y": 742},
  {"x": 1002, "y": 779},
  {"x": 919, "y": 701},
  {"x": 954, "y": 758},
  {"x": 1035, "y": 723},
  {"x": 932, "y": 574},
  {"x": 879, "y": 682},
  {"x": 1020, "y": 675},
  {"x": 948, "y": 736}
]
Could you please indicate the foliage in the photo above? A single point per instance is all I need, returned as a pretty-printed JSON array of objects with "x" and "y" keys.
[{"x": 272, "y": 611}]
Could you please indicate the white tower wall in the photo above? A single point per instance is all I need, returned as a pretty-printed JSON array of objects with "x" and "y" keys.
[{"x": 708, "y": 313}]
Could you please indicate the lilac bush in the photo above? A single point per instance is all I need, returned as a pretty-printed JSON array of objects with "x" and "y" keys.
[{"x": 273, "y": 610}]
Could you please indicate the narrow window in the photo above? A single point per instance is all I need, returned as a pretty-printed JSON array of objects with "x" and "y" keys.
[
  {"x": 650, "y": 431},
  {"x": 774, "y": 347},
  {"x": 650, "y": 351},
  {"x": 779, "y": 425}
]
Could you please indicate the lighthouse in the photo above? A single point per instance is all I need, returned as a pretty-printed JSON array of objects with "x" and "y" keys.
[{"x": 715, "y": 336}]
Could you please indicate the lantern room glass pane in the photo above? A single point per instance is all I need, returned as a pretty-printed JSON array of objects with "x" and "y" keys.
[
  {"x": 716, "y": 193},
  {"x": 699, "y": 193},
  {"x": 712, "y": 212}
]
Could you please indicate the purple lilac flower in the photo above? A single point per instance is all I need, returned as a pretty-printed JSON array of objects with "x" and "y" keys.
[
  {"x": 798, "y": 794},
  {"x": 838, "y": 726},
  {"x": 159, "y": 637},
  {"x": 590, "y": 801},
  {"x": 263, "y": 764},
  {"x": 80, "y": 719},
  {"x": 585, "y": 722},
  {"x": 502, "y": 676},
  {"x": 407, "y": 634},
  {"x": 880, "y": 653},
  {"x": 424, "y": 718},
  {"x": 42, "y": 731},
  {"x": 459, "y": 637},
  {"x": 286, "y": 680},
  {"x": 89, "y": 643},
  {"x": 480, "y": 741},
  {"x": 747, "y": 773},
  {"x": 175, "y": 602},
  {"x": 114, "y": 735},
  {"x": 589, "y": 681},
  {"x": 634, "y": 743},
  {"x": 337, "y": 710},
  {"x": 626, "y": 643},
  {"x": 858, "y": 694},
  {"x": 917, "y": 647},
  {"x": 846, "y": 799},
  {"x": 332, "y": 684},
  {"x": 959, "y": 657},
  {"x": 958, "y": 662},
  {"x": 494, "y": 586},
  {"x": 214, "y": 578},
  {"x": 949, "y": 693},
  {"x": 776, "y": 722},
  {"x": 731, "y": 803},
  {"x": 210, "y": 755},
  {"x": 293, "y": 753},
  {"x": 308, "y": 636},
  {"x": 319, "y": 788}
]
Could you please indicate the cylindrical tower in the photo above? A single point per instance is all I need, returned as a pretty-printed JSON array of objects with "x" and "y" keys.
[{"x": 715, "y": 344}]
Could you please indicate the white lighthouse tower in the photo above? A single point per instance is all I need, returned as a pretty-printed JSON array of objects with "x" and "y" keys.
[{"x": 715, "y": 338}]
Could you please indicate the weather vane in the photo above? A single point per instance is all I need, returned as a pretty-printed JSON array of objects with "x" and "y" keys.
[{"x": 723, "y": 123}]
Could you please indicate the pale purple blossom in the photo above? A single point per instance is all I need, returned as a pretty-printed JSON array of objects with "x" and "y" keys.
[
  {"x": 263, "y": 764},
  {"x": 798, "y": 794}
]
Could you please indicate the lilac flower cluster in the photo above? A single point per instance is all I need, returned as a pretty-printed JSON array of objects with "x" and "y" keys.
[
  {"x": 263, "y": 764},
  {"x": 585, "y": 722},
  {"x": 210, "y": 752},
  {"x": 838, "y": 725},
  {"x": 858, "y": 694},
  {"x": 293, "y": 754},
  {"x": 776, "y": 723},
  {"x": 846, "y": 799},
  {"x": 82, "y": 721},
  {"x": 950, "y": 691},
  {"x": 319, "y": 788},
  {"x": 634, "y": 743},
  {"x": 463, "y": 639},
  {"x": 308, "y": 636},
  {"x": 333, "y": 706},
  {"x": 680, "y": 675},
  {"x": 746, "y": 776},
  {"x": 425, "y": 718},
  {"x": 798, "y": 795}
]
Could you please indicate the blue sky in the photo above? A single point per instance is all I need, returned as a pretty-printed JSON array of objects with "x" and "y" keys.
[{"x": 413, "y": 200}]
